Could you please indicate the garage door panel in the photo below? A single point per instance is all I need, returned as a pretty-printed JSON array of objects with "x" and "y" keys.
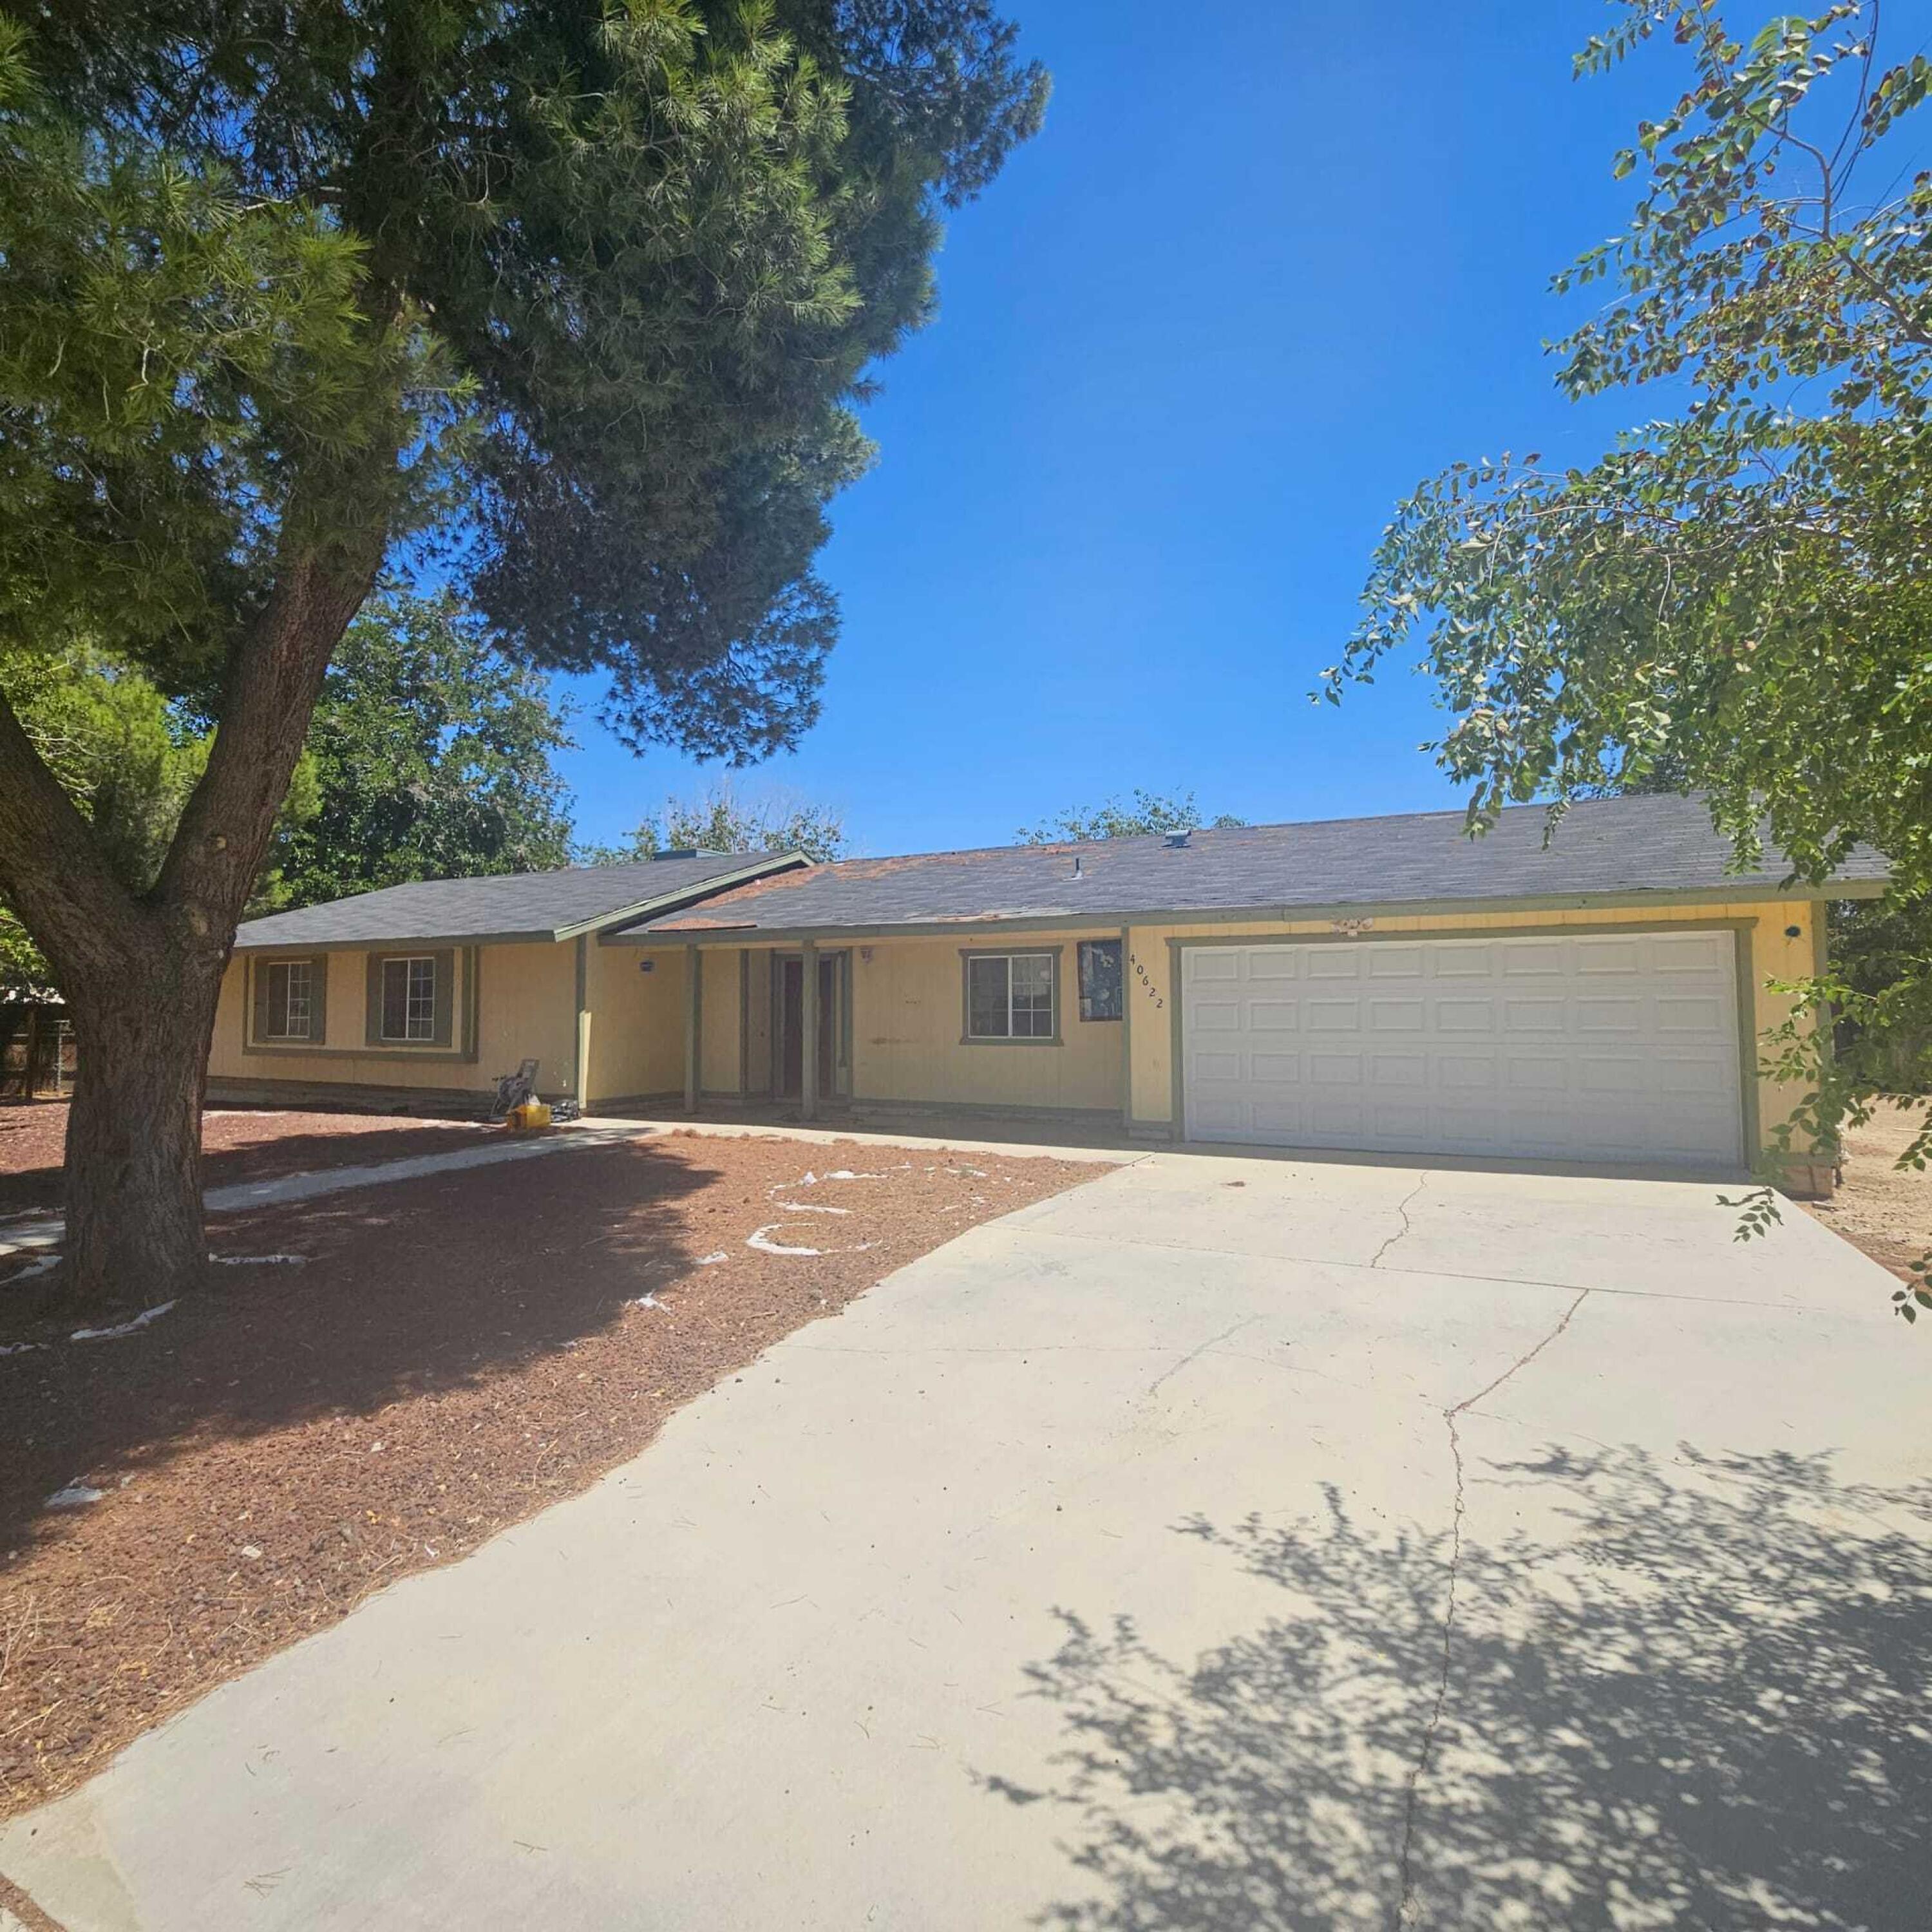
[
  {"x": 1595, "y": 958},
  {"x": 1521, "y": 1016},
  {"x": 1398, "y": 1070},
  {"x": 1335, "y": 1070},
  {"x": 1334, "y": 1015},
  {"x": 1274, "y": 1016},
  {"x": 1395, "y": 962},
  {"x": 1333, "y": 962},
  {"x": 1273, "y": 964},
  {"x": 1625, "y": 1016},
  {"x": 1387, "y": 1016},
  {"x": 1527, "y": 958},
  {"x": 1537, "y": 1073},
  {"x": 1612, "y": 1048},
  {"x": 1701, "y": 1013}
]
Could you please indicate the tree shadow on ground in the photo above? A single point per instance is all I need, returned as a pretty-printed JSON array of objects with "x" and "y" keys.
[
  {"x": 240, "y": 1147},
  {"x": 1693, "y": 1696},
  {"x": 424, "y": 1288}
]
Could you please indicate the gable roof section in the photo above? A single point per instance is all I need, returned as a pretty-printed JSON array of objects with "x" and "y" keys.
[
  {"x": 511, "y": 906},
  {"x": 1620, "y": 848}
]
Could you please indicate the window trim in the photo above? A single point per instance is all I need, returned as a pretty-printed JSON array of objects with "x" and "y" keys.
[
  {"x": 256, "y": 1037},
  {"x": 440, "y": 1037},
  {"x": 409, "y": 962},
  {"x": 967, "y": 954},
  {"x": 1119, "y": 946},
  {"x": 283, "y": 1034}
]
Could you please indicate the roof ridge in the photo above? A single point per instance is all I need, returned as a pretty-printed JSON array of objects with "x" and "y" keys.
[{"x": 1455, "y": 812}]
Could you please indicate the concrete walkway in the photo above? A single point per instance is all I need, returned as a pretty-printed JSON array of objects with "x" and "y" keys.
[
  {"x": 26, "y": 1234},
  {"x": 1224, "y": 1544}
]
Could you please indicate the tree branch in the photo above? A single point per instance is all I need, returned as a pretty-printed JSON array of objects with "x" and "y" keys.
[{"x": 51, "y": 870}]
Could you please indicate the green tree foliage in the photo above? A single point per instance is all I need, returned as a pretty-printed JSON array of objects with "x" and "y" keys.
[
  {"x": 579, "y": 295},
  {"x": 722, "y": 820},
  {"x": 1734, "y": 594},
  {"x": 128, "y": 759},
  {"x": 1116, "y": 818},
  {"x": 432, "y": 759}
]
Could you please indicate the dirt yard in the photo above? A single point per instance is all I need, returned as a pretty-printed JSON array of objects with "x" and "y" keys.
[
  {"x": 1884, "y": 1210},
  {"x": 449, "y": 1356},
  {"x": 247, "y": 1145}
]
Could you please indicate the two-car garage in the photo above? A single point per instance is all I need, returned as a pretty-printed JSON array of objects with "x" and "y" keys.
[{"x": 1617, "y": 1046}]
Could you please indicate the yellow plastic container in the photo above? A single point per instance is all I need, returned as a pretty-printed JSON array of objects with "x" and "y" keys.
[{"x": 529, "y": 1116}]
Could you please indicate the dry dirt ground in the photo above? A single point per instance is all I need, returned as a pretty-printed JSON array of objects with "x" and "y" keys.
[
  {"x": 1880, "y": 1207},
  {"x": 450, "y": 1354},
  {"x": 248, "y": 1145}
]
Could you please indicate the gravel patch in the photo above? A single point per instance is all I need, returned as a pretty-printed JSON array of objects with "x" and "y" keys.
[{"x": 453, "y": 1353}]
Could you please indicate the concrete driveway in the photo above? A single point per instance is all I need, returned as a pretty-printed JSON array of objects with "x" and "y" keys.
[{"x": 1226, "y": 1543}]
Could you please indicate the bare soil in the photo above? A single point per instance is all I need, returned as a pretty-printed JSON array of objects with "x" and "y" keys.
[
  {"x": 452, "y": 1354},
  {"x": 1880, "y": 1207},
  {"x": 243, "y": 1145}
]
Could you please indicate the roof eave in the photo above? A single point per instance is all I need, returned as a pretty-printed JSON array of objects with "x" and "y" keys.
[
  {"x": 720, "y": 882},
  {"x": 545, "y": 935},
  {"x": 1734, "y": 891}
]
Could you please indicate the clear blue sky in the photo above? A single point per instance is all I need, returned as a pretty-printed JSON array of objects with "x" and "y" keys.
[{"x": 1268, "y": 264}]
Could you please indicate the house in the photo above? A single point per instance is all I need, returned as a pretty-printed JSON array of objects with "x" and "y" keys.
[{"x": 1380, "y": 984}]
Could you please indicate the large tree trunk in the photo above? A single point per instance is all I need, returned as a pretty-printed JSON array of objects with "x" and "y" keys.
[
  {"x": 143, "y": 971},
  {"x": 134, "y": 1139}
]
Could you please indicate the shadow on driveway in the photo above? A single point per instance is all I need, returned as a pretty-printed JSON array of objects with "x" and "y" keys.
[{"x": 1697, "y": 1700}]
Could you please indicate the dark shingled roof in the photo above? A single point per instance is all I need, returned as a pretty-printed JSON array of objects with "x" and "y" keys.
[
  {"x": 1623, "y": 847},
  {"x": 514, "y": 905}
]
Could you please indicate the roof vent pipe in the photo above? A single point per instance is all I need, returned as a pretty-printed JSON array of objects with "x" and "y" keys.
[{"x": 1077, "y": 873}]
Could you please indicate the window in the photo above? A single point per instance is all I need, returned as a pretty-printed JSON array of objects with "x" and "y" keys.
[
  {"x": 1100, "y": 980},
  {"x": 289, "y": 1002},
  {"x": 409, "y": 998},
  {"x": 1010, "y": 996}
]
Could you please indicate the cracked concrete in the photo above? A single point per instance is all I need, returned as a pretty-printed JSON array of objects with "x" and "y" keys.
[
  {"x": 785, "y": 1668},
  {"x": 1401, "y": 1208},
  {"x": 1404, "y": 1898}
]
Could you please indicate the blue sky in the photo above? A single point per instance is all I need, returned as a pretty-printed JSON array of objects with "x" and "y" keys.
[{"x": 1268, "y": 266}]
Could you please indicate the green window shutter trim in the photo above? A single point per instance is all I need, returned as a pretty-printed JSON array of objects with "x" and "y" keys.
[
  {"x": 318, "y": 999},
  {"x": 445, "y": 996},
  {"x": 373, "y": 1002},
  {"x": 258, "y": 979}
]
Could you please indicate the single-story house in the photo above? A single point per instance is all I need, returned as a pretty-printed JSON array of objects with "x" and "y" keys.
[{"x": 1380, "y": 984}]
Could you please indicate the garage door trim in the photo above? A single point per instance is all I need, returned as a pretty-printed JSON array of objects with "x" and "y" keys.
[{"x": 1745, "y": 982}]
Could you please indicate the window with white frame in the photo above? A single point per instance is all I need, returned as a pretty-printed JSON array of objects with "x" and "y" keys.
[
  {"x": 289, "y": 1006},
  {"x": 1010, "y": 996},
  {"x": 409, "y": 998}
]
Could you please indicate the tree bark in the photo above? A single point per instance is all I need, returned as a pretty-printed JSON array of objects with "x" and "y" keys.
[
  {"x": 143, "y": 973},
  {"x": 134, "y": 1230}
]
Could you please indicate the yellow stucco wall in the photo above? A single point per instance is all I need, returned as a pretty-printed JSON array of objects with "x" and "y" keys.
[
  {"x": 637, "y": 1031},
  {"x": 722, "y": 1016},
  {"x": 1775, "y": 955},
  {"x": 907, "y": 1017},
  {"x": 526, "y": 1006}
]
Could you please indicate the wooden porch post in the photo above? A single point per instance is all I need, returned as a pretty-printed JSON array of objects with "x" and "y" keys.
[
  {"x": 694, "y": 1005},
  {"x": 807, "y": 1072}
]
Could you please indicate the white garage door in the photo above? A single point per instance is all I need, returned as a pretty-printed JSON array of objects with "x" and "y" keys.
[{"x": 1622, "y": 1047}]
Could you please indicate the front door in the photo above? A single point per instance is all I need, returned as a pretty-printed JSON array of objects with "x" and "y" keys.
[{"x": 788, "y": 997}]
